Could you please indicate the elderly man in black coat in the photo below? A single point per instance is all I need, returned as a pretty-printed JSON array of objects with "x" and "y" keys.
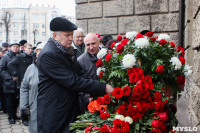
[{"x": 60, "y": 81}]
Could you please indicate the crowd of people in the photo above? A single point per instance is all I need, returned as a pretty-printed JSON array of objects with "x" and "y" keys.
[{"x": 51, "y": 84}]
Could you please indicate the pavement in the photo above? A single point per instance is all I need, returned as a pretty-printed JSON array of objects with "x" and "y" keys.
[{"x": 5, "y": 127}]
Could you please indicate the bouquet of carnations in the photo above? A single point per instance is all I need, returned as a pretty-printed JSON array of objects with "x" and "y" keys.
[{"x": 147, "y": 72}]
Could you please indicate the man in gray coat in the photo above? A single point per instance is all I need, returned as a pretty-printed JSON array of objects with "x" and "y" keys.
[{"x": 87, "y": 62}]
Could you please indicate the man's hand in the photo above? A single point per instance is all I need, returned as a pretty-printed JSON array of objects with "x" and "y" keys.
[
  {"x": 109, "y": 88},
  {"x": 15, "y": 78}
]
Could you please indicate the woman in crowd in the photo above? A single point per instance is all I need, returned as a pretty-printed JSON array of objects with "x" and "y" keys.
[{"x": 29, "y": 92}]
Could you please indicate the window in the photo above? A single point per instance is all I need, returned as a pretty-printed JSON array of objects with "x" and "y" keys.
[
  {"x": 43, "y": 25},
  {"x": 35, "y": 16},
  {"x": 15, "y": 33},
  {"x": 35, "y": 25},
  {"x": 0, "y": 33},
  {"x": 15, "y": 25},
  {"x": 43, "y": 33},
  {"x": 43, "y": 17}
]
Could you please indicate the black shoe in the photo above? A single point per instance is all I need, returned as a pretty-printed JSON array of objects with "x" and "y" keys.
[
  {"x": 17, "y": 118},
  {"x": 12, "y": 121},
  {"x": 25, "y": 123}
]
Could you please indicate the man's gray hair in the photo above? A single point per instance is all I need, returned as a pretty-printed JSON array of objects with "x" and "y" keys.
[
  {"x": 57, "y": 33},
  {"x": 78, "y": 30}
]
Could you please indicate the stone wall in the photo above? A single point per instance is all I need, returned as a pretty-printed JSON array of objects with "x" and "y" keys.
[
  {"x": 192, "y": 38},
  {"x": 116, "y": 17}
]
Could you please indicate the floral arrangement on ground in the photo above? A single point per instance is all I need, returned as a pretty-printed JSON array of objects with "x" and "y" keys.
[{"x": 147, "y": 72}]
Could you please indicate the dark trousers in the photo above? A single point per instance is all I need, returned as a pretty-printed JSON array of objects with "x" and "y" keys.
[
  {"x": 2, "y": 102},
  {"x": 12, "y": 103}
]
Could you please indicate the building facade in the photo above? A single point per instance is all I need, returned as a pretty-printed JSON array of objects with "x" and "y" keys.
[{"x": 31, "y": 24}]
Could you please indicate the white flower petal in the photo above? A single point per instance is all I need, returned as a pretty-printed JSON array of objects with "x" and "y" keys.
[
  {"x": 176, "y": 63},
  {"x": 128, "y": 61},
  {"x": 129, "y": 120},
  {"x": 142, "y": 43},
  {"x": 121, "y": 117},
  {"x": 131, "y": 35},
  {"x": 102, "y": 53},
  {"x": 164, "y": 36}
]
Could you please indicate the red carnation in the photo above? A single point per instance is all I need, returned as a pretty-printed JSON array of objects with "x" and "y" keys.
[
  {"x": 182, "y": 59},
  {"x": 152, "y": 39},
  {"x": 126, "y": 91},
  {"x": 172, "y": 44},
  {"x": 182, "y": 52},
  {"x": 105, "y": 116},
  {"x": 163, "y": 116},
  {"x": 137, "y": 90},
  {"x": 155, "y": 123},
  {"x": 149, "y": 34},
  {"x": 107, "y": 99},
  {"x": 143, "y": 84},
  {"x": 124, "y": 42},
  {"x": 100, "y": 100},
  {"x": 112, "y": 45},
  {"x": 157, "y": 96},
  {"x": 108, "y": 56},
  {"x": 100, "y": 75},
  {"x": 117, "y": 122},
  {"x": 119, "y": 38},
  {"x": 159, "y": 106},
  {"x": 139, "y": 36},
  {"x": 121, "y": 109},
  {"x": 133, "y": 77},
  {"x": 98, "y": 35},
  {"x": 131, "y": 70},
  {"x": 120, "y": 48},
  {"x": 162, "y": 42},
  {"x": 178, "y": 49},
  {"x": 117, "y": 93},
  {"x": 180, "y": 80},
  {"x": 145, "y": 94},
  {"x": 99, "y": 63},
  {"x": 104, "y": 129},
  {"x": 160, "y": 69}
]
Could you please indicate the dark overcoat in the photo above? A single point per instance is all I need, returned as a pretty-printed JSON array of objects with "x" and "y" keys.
[
  {"x": 9, "y": 85},
  {"x": 59, "y": 85},
  {"x": 18, "y": 66}
]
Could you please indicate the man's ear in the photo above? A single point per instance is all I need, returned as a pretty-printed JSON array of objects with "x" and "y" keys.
[{"x": 54, "y": 35}]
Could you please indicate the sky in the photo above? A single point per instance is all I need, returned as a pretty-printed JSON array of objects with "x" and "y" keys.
[{"x": 67, "y": 7}]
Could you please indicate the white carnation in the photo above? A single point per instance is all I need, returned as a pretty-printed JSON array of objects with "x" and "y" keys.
[
  {"x": 100, "y": 69},
  {"x": 164, "y": 36},
  {"x": 121, "y": 117},
  {"x": 142, "y": 43},
  {"x": 129, "y": 120},
  {"x": 131, "y": 35},
  {"x": 176, "y": 63},
  {"x": 129, "y": 61},
  {"x": 187, "y": 70},
  {"x": 102, "y": 53}
]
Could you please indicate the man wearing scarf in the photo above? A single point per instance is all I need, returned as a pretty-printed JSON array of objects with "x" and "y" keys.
[{"x": 60, "y": 82}]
